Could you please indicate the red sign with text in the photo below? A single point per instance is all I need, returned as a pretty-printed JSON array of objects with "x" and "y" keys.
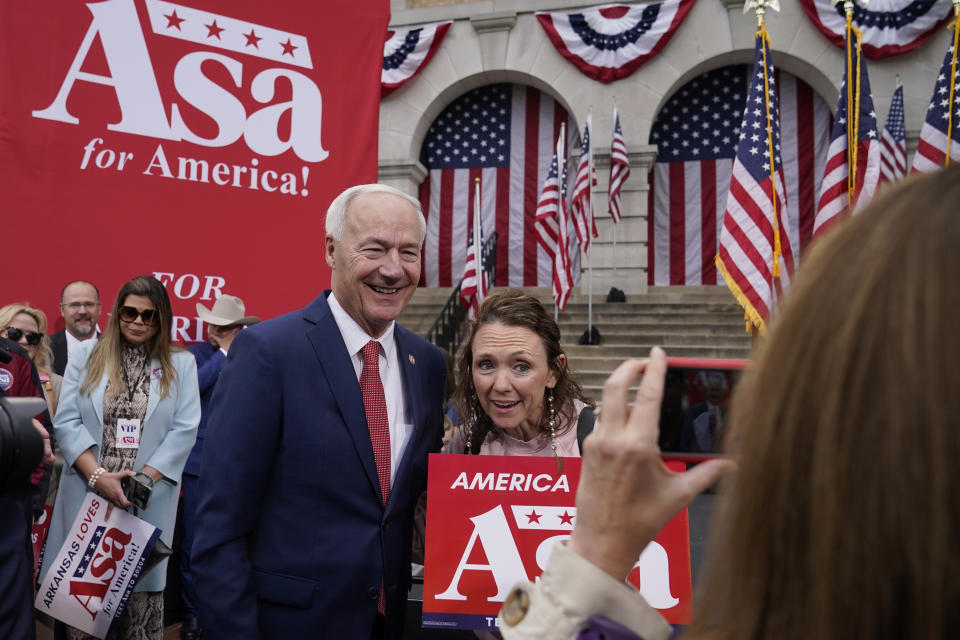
[
  {"x": 200, "y": 141},
  {"x": 492, "y": 521}
]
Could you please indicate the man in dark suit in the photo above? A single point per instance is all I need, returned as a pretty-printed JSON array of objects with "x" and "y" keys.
[
  {"x": 80, "y": 308},
  {"x": 224, "y": 321},
  {"x": 317, "y": 444}
]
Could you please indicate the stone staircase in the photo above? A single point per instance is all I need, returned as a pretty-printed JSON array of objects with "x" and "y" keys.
[{"x": 703, "y": 322}]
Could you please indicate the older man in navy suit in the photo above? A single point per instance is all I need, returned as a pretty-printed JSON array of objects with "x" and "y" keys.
[{"x": 317, "y": 445}]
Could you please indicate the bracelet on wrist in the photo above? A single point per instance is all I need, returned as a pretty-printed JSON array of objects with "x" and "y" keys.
[
  {"x": 148, "y": 477},
  {"x": 92, "y": 480}
]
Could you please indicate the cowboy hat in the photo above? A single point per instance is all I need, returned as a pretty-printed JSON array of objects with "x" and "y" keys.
[{"x": 227, "y": 310}]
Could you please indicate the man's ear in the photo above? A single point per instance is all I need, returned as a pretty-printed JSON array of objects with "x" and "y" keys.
[{"x": 329, "y": 245}]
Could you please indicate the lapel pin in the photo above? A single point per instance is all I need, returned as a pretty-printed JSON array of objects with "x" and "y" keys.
[{"x": 412, "y": 359}]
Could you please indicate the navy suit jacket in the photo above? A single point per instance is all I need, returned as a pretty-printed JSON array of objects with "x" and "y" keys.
[
  {"x": 58, "y": 344},
  {"x": 293, "y": 539},
  {"x": 210, "y": 362}
]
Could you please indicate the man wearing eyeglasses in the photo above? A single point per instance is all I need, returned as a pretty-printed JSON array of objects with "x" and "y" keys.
[{"x": 80, "y": 308}]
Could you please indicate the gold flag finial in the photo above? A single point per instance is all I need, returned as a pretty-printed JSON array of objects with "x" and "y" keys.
[
  {"x": 956, "y": 15},
  {"x": 849, "y": 4},
  {"x": 761, "y": 6}
]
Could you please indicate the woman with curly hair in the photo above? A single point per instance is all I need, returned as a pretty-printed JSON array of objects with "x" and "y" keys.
[{"x": 516, "y": 394}]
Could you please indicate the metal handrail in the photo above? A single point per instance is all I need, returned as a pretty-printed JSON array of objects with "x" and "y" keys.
[{"x": 446, "y": 330}]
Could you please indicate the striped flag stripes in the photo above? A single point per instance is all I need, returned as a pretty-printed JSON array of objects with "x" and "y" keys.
[
  {"x": 943, "y": 118},
  {"x": 893, "y": 142},
  {"x": 552, "y": 225},
  {"x": 581, "y": 204},
  {"x": 755, "y": 256},
  {"x": 855, "y": 141},
  {"x": 619, "y": 167},
  {"x": 475, "y": 285}
]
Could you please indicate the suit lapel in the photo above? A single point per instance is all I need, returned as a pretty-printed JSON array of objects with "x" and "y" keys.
[
  {"x": 96, "y": 397},
  {"x": 337, "y": 368},
  {"x": 410, "y": 372},
  {"x": 59, "y": 343}
]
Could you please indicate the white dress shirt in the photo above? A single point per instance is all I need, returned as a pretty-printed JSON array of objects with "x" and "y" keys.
[
  {"x": 72, "y": 342},
  {"x": 401, "y": 427}
]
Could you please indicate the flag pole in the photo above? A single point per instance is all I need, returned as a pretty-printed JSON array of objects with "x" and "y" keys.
[
  {"x": 853, "y": 100},
  {"x": 614, "y": 222},
  {"x": 953, "y": 80},
  {"x": 478, "y": 241},
  {"x": 561, "y": 194},
  {"x": 761, "y": 6},
  {"x": 590, "y": 232}
]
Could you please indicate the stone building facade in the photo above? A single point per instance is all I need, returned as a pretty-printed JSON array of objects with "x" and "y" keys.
[{"x": 501, "y": 41}]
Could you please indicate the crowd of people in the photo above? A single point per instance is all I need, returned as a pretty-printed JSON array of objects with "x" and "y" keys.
[{"x": 300, "y": 444}]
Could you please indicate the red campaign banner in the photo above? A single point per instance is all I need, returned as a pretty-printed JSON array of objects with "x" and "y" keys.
[
  {"x": 492, "y": 521},
  {"x": 199, "y": 141},
  {"x": 38, "y": 536}
]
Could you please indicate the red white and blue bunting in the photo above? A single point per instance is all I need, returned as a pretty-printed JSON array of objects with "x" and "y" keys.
[
  {"x": 890, "y": 27},
  {"x": 610, "y": 42},
  {"x": 407, "y": 51}
]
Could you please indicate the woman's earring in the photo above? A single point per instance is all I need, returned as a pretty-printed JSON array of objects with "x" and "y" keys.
[
  {"x": 552, "y": 421},
  {"x": 470, "y": 422}
]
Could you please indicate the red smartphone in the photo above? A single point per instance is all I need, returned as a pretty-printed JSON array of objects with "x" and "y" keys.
[{"x": 696, "y": 400}]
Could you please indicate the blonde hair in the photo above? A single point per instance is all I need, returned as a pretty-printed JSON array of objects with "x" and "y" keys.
[
  {"x": 106, "y": 355},
  {"x": 844, "y": 515},
  {"x": 43, "y": 358}
]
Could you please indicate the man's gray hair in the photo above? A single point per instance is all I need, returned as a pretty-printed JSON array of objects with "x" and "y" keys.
[{"x": 337, "y": 212}]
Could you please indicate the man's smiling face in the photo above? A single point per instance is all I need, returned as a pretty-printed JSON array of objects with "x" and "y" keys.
[{"x": 376, "y": 265}]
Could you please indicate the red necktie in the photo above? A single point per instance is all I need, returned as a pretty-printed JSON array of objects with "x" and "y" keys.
[{"x": 375, "y": 406}]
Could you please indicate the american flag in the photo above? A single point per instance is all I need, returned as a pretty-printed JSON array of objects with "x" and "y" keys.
[
  {"x": 504, "y": 134},
  {"x": 931, "y": 152},
  {"x": 469, "y": 297},
  {"x": 619, "y": 167},
  {"x": 893, "y": 153},
  {"x": 838, "y": 192},
  {"x": 756, "y": 256},
  {"x": 696, "y": 133},
  {"x": 552, "y": 226},
  {"x": 581, "y": 204}
]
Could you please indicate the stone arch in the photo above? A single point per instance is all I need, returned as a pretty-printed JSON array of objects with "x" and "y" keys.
[
  {"x": 448, "y": 94},
  {"x": 502, "y": 134},
  {"x": 813, "y": 76},
  {"x": 697, "y": 130}
]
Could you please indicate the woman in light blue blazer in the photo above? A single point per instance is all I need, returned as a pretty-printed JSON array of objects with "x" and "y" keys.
[{"x": 129, "y": 406}]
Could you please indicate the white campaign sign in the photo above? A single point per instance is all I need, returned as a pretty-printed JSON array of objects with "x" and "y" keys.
[{"x": 94, "y": 572}]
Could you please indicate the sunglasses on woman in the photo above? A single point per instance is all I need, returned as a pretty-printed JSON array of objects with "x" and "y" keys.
[
  {"x": 33, "y": 337},
  {"x": 129, "y": 314}
]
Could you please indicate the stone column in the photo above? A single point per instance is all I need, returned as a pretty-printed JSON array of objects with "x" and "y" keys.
[{"x": 406, "y": 174}]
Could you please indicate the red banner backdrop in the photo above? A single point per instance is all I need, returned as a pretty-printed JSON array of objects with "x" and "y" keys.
[
  {"x": 493, "y": 520},
  {"x": 200, "y": 141}
]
